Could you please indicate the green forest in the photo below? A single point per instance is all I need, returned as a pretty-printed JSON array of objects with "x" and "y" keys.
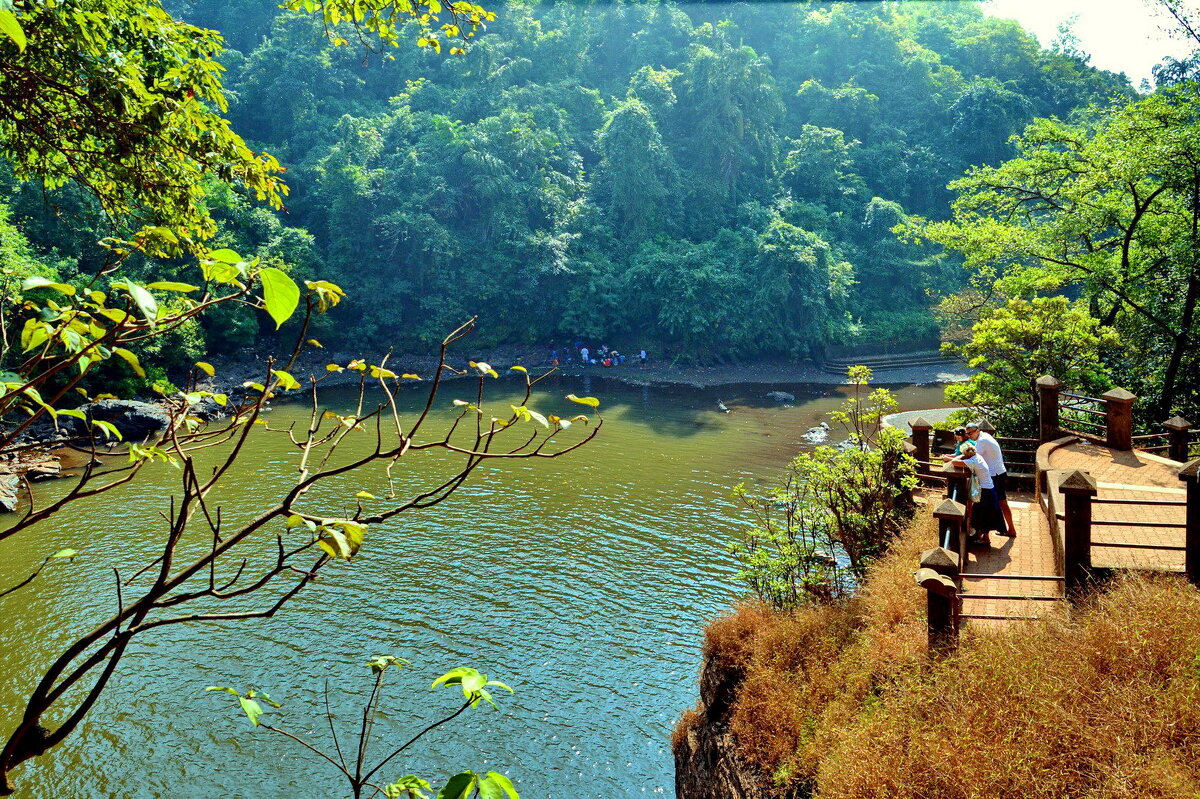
[{"x": 710, "y": 181}]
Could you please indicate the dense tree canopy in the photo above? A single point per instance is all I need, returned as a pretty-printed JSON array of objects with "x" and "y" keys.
[{"x": 743, "y": 164}]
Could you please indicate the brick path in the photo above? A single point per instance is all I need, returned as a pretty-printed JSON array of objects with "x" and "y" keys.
[
  {"x": 1130, "y": 475},
  {"x": 1031, "y": 553}
]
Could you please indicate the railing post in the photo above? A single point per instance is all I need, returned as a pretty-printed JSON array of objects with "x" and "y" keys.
[
  {"x": 1048, "y": 388},
  {"x": 1120, "y": 418},
  {"x": 941, "y": 612},
  {"x": 1177, "y": 436},
  {"x": 987, "y": 427},
  {"x": 920, "y": 439},
  {"x": 952, "y": 527},
  {"x": 1190, "y": 475},
  {"x": 956, "y": 482},
  {"x": 1078, "y": 487}
]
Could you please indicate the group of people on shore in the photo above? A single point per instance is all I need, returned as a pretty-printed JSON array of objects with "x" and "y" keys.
[
  {"x": 603, "y": 356},
  {"x": 980, "y": 453}
]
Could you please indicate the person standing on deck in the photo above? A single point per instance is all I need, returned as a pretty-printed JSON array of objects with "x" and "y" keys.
[
  {"x": 989, "y": 449},
  {"x": 985, "y": 513}
]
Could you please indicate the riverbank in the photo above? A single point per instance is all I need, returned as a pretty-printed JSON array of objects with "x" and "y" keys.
[{"x": 232, "y": 372}]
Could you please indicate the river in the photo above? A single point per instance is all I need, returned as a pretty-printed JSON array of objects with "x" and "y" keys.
[{"x": 583, "y": 582}]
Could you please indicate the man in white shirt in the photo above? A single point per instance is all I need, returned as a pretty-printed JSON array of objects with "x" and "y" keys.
[{"x": 989, "y": 449}]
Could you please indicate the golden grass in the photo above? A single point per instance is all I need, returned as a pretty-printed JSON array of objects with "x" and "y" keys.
[{"x": 843, "y": 702}]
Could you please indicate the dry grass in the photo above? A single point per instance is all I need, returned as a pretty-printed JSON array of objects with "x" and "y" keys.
[{"x": 842, "y": 700}]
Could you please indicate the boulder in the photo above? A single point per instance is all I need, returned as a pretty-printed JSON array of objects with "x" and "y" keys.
[
  {"x": 137, "y": 421},
  {"x": 781, "y": 396},
  {"x": 9, "y": 483},
  {"x": 45, "y": 469}
]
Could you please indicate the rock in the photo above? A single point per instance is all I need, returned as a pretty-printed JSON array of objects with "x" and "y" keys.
[
  {"x": 47, "y": 469},
  {"x": 781, "y": 396},
  {"x": 816, "y": 435},
  {"x": 137, "y": 421},
  {"x": 9, "y": 484}
]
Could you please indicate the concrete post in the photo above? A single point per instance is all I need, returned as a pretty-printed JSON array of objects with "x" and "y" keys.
[
  {"x": 1078, "y": 487},
  {"x": 952, "y": 528},
  {"x": 1190, "y": 475},
  {"x": 1120, "y": 418},
  {"x": 1048, "y": 388},
  {"x": 941, "y": 612},
  {"x": 1177, "y": 436},
  {"x": 921, "y": 430}
]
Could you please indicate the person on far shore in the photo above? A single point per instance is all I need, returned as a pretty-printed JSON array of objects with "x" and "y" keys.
[
  {"x": 985, "y": 514},
  {"x": 989, "y": 449},
  {"x": 583, "y": 354},
  {"x": 642, "y": 357}
]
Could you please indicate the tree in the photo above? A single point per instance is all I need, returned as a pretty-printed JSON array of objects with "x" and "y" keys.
[
  {"x": 357, "y": 771},
  {"x": 1015, "y": 344},
  {"x": 272, "y": 557},
  {"x": 836, "y": 511},
  {"x": 1109, "y": 208}
]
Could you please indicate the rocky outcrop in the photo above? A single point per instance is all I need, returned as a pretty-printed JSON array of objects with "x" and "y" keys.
[
  {"x": 781, "y": 396},
  {"x": 137, "y": 421},
  {"x": 706, "y": 762}
]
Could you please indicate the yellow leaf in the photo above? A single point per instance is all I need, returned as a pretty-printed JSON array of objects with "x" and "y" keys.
[
  {"x": 364, "y": 495},
  {"x": 130, "y": 359},
  {"x": 518, "y": 369},
  {"x": 333, "y": 367},
  {"x": 357, "y": 365},
  {"x": 591, "y": 402},
  {"x": 312, "y": 342},
  {"x": 411, "y": 376},
  {"x": 206, "y": 367}
]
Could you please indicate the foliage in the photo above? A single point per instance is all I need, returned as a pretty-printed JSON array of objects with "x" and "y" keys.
[
  {"x": 357, "y": 772},
  {"x": 122, "y": 99},
  {"x": 576, "y": 153},
  {"x": 836, "y": 511},
  {"x": 1015, "y": 344},
  {"x": 1108, "y": 209}
]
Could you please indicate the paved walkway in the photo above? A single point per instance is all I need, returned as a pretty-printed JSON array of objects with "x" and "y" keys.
[
  {"x": 1030, "y": 554},
  {"x": 1131, "y": 476}
]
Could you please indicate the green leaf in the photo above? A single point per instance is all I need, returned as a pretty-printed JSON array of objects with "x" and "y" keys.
[
  {"x": 459, "y": 786},
  {"x": 281, "y": 295},
  {"x": 224, "y": 256},
  {"x": 109, "y": 429},
  {"x": 169, "y": 285},
  {"x": 144, "y": 300},
  {"x": 473, "y": 682},
  {"x": 223, "y": 688},
  {"x": 497, "y": 786},
  {"x": 75, "y": 414},
  {"x": 12, "y": 29},
  {"x": 253, "y": 709},
  {"x": 130, "y": 359},
  {"x": 32, "y": 283},
  {"x": 65, "y": 553}
]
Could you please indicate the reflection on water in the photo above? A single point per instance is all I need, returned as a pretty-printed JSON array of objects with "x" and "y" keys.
[{"x": 582, "y": 582}]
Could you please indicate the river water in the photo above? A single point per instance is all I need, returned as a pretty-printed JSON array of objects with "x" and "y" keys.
[{"x": 582, "y": 582}]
